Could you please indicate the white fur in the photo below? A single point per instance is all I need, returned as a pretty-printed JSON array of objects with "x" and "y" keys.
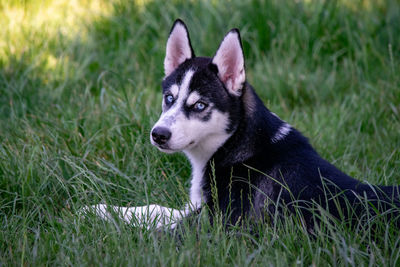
[
  {"x": 193, "y": 98},
  {"x": 184, "y": 88},
  {"x": 196, "y": 193},
  {"x": 274, "y": 114},
  {"x": 143, "y": 216},
  {"x": 200, "y": 153},
  {"x": 174, "y": 90},
  {"x": 175, "y": 120},
  {"x": 173, "y": 115},
  {"x": 178, "y": 48},
  {"x": 282, "y": 132},
  {"x": 230, "y": 62}
]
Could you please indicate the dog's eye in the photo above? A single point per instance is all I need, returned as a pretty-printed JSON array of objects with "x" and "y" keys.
[
  {"x": 199, "y": 106},
  {"x": 169, "y": 99}
]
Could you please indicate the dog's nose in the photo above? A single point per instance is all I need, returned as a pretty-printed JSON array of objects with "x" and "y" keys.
[{"x": 160, "y": 135}]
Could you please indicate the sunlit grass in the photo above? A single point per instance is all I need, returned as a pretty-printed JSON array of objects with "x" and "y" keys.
[
  {"x": 25, "y": 23},
  {"x": 67, "y": 15}
]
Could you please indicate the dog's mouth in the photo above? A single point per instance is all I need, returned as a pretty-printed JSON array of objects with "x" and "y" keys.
[
  {"x": 167, "y": 149},
  {"x": 162, "y": 147}
]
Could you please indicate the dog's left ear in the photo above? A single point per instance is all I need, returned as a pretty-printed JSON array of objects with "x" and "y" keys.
[
  {"x": 230, "y": 62},
  {"x": 178, "y": 48}
]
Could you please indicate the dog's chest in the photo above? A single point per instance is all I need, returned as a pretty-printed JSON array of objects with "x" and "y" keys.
[{"x": 196, "y": 189}]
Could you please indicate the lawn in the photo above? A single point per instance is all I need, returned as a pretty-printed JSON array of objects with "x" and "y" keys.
[{"x": 80, "y": 88}]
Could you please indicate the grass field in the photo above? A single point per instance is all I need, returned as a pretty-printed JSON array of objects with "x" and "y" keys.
[{"x": 80, "y": 90}]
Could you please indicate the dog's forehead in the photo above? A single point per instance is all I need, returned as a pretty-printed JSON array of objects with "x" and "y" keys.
[{"x": 200, "y": 68}]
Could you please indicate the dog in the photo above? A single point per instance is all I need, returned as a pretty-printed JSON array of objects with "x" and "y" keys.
[{"x": 250, "y": 158}]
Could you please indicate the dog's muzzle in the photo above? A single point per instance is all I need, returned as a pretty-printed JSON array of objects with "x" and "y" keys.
[{"x": 160, "y": 135}]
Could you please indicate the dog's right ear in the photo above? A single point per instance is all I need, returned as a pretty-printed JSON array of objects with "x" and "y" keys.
[{"x": 178, "y": 48}]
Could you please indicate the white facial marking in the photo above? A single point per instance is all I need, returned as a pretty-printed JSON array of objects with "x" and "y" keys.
[
  {"x": 173, "y": 118},
  {"x": 193, "y": 98},
  {"x": 281, "y": 133},
  {"x": 184, "y": 88},
  {"x": 174, "y": 90}
]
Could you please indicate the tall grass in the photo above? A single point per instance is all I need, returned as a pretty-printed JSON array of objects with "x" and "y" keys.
[{"x": 80, "y": 90}]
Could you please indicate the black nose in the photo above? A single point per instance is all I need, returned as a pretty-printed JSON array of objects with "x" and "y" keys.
[{"x": 160, "y": 135}]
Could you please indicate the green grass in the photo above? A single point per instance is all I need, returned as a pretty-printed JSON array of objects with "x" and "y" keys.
[{"x": 80, "y": 90}]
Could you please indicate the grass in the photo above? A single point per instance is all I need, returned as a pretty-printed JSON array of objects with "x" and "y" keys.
[{"x": 80, "y": 90}]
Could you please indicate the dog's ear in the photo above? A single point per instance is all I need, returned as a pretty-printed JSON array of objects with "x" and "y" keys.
[
  {"x": 230, "y": 62},
  {"x": 178, "y": 47}
]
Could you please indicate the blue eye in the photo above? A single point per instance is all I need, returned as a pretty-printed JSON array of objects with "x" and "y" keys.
[
  {"x": 169, "y": 99},
  {"x": 199, "y": 106}
]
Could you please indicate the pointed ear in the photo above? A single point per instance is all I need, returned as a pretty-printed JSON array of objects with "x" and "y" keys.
[
  {"x": 178, "y": 47},
  {"x": 230, "y": 62}
]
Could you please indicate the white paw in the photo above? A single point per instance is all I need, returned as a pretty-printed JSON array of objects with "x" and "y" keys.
[{"x": 151, "y": 216}]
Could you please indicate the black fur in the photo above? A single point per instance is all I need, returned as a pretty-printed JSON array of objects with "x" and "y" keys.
[
  {"x": 289, "y": 171},
  {"x": 252, "y": 174}
]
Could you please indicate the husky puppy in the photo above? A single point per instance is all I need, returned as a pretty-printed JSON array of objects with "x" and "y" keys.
[{"x": 237, "y": 147}]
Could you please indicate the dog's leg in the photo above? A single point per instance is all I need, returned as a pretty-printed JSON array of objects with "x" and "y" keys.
[{"x": 142, "y": 216}]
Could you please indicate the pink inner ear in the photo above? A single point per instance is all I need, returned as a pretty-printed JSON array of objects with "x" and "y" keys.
[
  {"x": 230, "y": 62},
  {"x": 231, "y": 67},
  {"x": 178, "y": 49},
  {"x": 231, "y": 70},
  {"x": 227, "y": 77},
  {"x": 178, "y": 56}
]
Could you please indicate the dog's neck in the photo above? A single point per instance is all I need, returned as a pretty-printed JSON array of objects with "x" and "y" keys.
[
  {"x": 255, "y": 121},
  {"x": 198, "y": 157}
]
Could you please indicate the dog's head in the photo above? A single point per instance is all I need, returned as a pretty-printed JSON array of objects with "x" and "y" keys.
[{"x": 201, "y": 96}]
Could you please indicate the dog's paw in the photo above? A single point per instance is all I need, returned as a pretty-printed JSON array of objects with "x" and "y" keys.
[
  {"x": 151, "y": 216},
  {"x": 135, "y": 216}
]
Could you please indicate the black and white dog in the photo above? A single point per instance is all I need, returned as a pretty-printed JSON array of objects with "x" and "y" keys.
[{"x": 252, "y": 158}]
